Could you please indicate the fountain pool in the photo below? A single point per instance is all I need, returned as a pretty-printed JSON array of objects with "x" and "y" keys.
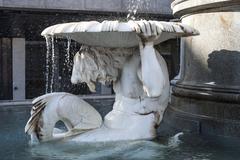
[{"x": 14, "y": 146}]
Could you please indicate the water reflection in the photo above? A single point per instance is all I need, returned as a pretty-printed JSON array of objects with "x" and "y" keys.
[{"x": 118, "y": 150}]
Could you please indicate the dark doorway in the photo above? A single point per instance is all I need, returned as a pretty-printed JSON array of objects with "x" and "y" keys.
[{"x": 6, "y": 69}]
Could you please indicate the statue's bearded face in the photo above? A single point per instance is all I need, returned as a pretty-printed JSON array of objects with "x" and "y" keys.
[{"x": 91, "y": 66}]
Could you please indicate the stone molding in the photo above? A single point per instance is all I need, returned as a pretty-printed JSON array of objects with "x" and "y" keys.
[
  {"x": 185, "y": 7},
  {"x": 207, "y": 93}
]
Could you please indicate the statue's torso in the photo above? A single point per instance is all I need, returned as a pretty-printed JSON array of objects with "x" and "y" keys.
[{"x": 131, "y": 102}]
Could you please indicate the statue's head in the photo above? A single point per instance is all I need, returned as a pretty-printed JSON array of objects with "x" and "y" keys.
[{"x": 97, "y": 64}]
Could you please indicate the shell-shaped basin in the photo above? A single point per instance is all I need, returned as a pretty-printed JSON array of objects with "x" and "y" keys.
[{"x": 115, "y": 34}]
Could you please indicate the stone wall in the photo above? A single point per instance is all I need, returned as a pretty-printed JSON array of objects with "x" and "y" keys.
[{"x": 146, "y": 6}]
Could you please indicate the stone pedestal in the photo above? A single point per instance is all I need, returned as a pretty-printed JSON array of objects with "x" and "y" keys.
[{"x": 206, "y": 96}]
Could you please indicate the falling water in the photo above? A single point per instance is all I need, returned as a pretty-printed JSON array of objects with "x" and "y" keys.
[
  {"x": 135, "y": 5},
  {"x": 68, "y": 53},
  {"x": 48, "y": 45},
  {"x": 53, "y": 64}
]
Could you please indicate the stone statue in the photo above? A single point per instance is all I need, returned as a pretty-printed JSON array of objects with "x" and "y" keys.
[{"x": 140, "y": 81}]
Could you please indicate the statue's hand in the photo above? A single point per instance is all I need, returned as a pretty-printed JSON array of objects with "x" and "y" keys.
[{"x": 148, "y": 31}]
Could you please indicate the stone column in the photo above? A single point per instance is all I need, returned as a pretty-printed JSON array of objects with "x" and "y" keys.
[
  {"x": 18, "y": 68},
  {"x": 206, "y": 96}
]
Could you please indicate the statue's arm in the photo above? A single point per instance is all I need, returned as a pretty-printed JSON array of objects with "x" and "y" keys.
[{"x": 152, "y": 75}]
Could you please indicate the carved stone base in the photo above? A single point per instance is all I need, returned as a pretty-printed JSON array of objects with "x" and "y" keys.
[{"x": 205, "y": 117}]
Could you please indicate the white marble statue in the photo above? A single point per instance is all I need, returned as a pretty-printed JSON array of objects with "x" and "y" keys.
[{"x": 140, "y": 81}]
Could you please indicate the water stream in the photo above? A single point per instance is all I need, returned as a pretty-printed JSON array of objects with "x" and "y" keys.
[
  {"x": 53, "y": 65},
  {"x": 68, "y": 54},
  {"x": 134, "y": 6},
  {"x": 48, "y": 54}
]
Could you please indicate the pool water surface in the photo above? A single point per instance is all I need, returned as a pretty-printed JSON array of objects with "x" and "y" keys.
[{"x": 14, "y": 146}]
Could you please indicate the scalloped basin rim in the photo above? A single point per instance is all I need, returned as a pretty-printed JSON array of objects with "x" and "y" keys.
[{"x": 113, "y": 33}]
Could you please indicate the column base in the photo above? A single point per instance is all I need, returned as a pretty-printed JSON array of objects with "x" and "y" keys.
[{"x": 203, "y": 113}]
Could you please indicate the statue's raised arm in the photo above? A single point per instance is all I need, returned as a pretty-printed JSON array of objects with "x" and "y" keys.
[
  {"x": 152, "y": 70},
  {"x": 153, "y": 67}
]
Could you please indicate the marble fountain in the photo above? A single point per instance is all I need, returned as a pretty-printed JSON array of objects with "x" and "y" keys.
[
  {"x": 204, "y": 97},
  {"x": 115, "y": 52}
]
